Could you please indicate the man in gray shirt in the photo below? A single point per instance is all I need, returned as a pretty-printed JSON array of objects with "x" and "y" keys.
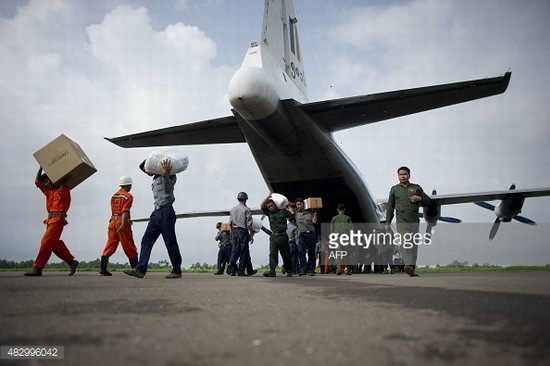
[
  {"x": 162, "y": 222},
  {"x": 240, "y": 219}
]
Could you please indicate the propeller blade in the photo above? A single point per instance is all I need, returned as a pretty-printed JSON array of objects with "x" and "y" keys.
[
  {"x": 452, "y": 220},
  {"x": 494, "y": 229},
  {"x": 524, "y": 220},
  {"x": 486, "y": 205}
]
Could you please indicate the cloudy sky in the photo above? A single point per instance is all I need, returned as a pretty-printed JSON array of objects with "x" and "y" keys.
[{"x": 112, "y": 67}]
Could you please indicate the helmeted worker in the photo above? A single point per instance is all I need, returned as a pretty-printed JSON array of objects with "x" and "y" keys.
[
  {"x": 120, "y": 226},
  {"x": 58, "y": 201},
  {"x": 242, "y": 234}
]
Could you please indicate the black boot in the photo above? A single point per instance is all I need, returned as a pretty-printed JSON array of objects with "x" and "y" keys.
[
  {"x": 103, "y": 267},
  {"x": 233, "y": 268},
  {"x": 35, "y": 272},
  {"x": 133, "y": 262},
  {"x": 72, "y": 265}
]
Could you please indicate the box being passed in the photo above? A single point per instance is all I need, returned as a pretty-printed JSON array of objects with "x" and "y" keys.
[
  {"x": 63, "y": 159},
  {"x": 313, "y": 203}
]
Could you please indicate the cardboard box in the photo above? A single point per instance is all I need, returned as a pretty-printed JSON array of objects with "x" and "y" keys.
[
  {"x": 313, "y": 203},
  {"x": 225, "y": 227},
  {"x": 64, "y": 159}
]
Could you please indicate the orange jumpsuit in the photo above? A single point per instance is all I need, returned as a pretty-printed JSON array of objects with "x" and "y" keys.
[
  {"x": 120, "y": 202},
  {"x": 58, "y": 201}
]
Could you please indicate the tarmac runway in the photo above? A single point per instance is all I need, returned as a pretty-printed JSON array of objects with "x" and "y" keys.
[{"x": 202, "y": 319}]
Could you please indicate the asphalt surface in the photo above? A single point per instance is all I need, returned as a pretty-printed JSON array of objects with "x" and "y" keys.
[{"x": 202, "y": 319}]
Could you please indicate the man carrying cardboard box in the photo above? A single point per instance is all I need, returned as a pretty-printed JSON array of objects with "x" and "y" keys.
[
  {"x": 307, "y": 239},
  {"x": 58, "y": 201}
]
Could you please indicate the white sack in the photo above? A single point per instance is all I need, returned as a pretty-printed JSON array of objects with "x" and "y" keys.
[
  {"x": 280, "y": 201},
  {"x": 178, "y": 159},
  {"x": 256, "y": 225}
]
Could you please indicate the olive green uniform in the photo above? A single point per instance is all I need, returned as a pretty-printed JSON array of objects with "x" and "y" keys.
[
  {"x": 278, "y": 241},
  {"x": 406, "y": 213},
  {"x": 341, "y": 224}
]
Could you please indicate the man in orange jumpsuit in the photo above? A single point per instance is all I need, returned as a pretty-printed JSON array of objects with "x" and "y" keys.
[
  {"x": 120, "y": 226},
  {"x": 58, "y": 200}
]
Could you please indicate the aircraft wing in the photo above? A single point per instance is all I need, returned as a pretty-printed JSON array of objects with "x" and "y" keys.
[
  {"x": 451, "y": 199},
  {"x": 223, "y": 130},
  {"x": 339, "y": 114},
  {"x": 216, "y": 213}
]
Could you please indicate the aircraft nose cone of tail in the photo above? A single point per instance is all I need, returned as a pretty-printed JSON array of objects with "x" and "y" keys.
[{"x": 253, "y": 93}]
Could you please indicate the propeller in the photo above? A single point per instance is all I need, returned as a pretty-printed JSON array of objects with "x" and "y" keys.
[
  {"x": 452, "y": 220},
  {"x": 503, "y": 218}
]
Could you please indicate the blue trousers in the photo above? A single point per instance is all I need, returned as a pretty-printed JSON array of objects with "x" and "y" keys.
[
  {"x": 306, "y": 244},
  {"x": 162, "y": 222},
  {"x": 224, "y": 256},
  {"x": 294, "y": 256},
  {"x": 241, "y": 250}
]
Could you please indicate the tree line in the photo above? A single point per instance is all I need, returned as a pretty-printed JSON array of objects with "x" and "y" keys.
[{"x": 163, "y": 264}]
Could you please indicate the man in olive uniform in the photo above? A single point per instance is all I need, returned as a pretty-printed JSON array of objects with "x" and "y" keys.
[
  {"x": 406, "y": 198},
  {"x": 342, "y": 224},
  {"x": 278, "y": 241}
]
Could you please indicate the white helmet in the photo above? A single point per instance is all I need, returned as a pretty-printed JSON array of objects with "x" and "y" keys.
[{"x": 125, "y": 181}]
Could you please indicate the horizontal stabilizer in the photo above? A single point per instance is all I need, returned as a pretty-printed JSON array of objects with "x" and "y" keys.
[
  {"x": 339, "y": 114},
  {"x": 223, "y": 130}
]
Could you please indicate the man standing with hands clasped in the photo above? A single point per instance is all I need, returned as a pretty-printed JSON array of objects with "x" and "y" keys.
[
  {"x": 406, "y": 198},
  {"x": 162, "y": 222}
]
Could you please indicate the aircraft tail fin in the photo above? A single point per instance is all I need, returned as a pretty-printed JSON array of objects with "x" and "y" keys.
[{"x": 281, "y": 41}]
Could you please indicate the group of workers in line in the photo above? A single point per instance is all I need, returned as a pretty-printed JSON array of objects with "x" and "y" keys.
[
  {"x": 293, "y": 229},
  {"x": 295, "y": 239}
]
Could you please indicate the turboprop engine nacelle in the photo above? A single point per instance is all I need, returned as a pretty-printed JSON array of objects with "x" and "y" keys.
[
  {"x": 432, "y": 214},
  {"x": 509, "y": 208}
]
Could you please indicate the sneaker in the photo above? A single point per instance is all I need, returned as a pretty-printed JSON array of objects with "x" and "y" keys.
[
  {"x": 35, "y": 272},
  {"x": 254, "y": 271},
  {"x": 173, "y": 275},
  {"x": 311, "y": 274},
  {"x": 410, "y": 271},
  {"x": 105, "y": 273},
  {"x": 134, "y": 272},
  {"x": 73, "y": 264},
  {"x": 301, "y": 273},
  {"x": 241, "y": 274},
  {"x": 270, "y": 274}
]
